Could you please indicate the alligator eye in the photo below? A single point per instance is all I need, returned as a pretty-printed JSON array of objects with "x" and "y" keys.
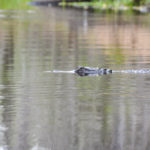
[
  {"x": 110, "y": 71},
  {"x": 105, "y": 71}
]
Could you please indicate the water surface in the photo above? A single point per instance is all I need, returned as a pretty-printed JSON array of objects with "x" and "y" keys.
[{"x": 41, "y": 110}]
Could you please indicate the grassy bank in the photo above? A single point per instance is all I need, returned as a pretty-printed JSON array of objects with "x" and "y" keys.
[
  {"x": 116, "y": 5},
  {"x": 14, "y": 4},
  {"x": 141, "y": 5}
]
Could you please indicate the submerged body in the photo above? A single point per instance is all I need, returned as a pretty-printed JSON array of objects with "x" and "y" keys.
[{"x": 87, "y": 71}]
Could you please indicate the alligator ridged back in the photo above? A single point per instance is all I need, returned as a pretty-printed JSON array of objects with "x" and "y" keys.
[{"x": 85, "y": 71}]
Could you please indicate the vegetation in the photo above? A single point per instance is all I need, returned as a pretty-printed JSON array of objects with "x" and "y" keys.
[
  {"x": 98, "y": 4},
  {"x": 14, "y": 4},
  {"x": 111, "y": 4}
]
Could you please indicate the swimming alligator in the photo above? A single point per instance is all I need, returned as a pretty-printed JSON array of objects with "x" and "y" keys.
[{"x": 88, "y": 71}]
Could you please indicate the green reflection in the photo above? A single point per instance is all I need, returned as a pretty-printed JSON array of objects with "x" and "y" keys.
[
  {"x": 14, "y": 4},
  {"x": 116, "y": 55}
]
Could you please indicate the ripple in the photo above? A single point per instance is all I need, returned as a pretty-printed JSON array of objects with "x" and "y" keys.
[
  {"x": 141, "y": 71},
  {"x": 3, "y": 147},
  {"x": 3, "y": 128},
  {"x": 60, "y": 71}
]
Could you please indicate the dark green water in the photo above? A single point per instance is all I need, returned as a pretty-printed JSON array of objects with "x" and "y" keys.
[{"x": 40, "y": 110}]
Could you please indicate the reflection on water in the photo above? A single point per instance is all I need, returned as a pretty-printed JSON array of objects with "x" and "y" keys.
[{"x": 57, "y": 111}]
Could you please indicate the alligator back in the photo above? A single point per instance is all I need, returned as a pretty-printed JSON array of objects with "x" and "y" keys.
[{"x": 88, "y": 71}]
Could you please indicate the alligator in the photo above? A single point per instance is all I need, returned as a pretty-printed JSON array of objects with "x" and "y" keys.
[{"x": 88, "y": 71}]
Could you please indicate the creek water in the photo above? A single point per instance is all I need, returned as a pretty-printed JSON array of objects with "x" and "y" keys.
[{"x": 44, "y": 110}]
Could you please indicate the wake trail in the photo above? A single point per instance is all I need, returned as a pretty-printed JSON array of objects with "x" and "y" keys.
[
  {"x": 133, "y": 71},
  {"x": 61, "y": 71}
]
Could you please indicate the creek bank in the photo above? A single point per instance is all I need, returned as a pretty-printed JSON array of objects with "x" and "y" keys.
[
  {"x": 93, "y": 5},
  {"x": 96, "y": 6}
]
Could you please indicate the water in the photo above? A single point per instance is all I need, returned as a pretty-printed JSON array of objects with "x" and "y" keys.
[{"x": 44, "y": 110}]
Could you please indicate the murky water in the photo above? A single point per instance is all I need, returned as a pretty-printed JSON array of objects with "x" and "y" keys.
[{"x": 44, "y": 110}]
